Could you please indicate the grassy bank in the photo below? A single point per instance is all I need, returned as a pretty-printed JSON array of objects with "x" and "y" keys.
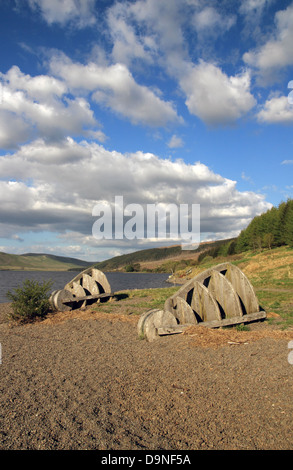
[
  {"x": 271, "y": 274},
  {"x": 269, "y": 271}
]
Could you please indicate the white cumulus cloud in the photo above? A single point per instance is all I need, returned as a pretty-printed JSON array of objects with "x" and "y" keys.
[
  {"x": 54, "y": 187},
  {"x": 215, "y": 97},
  {"x": 113, "y": 86},
  {"x": 277, "y": 51},
  {"x": 40, "y": 106},
  {"x": 276, "y": 110}
]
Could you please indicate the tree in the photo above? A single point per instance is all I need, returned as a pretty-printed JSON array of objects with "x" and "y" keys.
[
  {"x": 288, "y": 224},
  {"x": 231, "y": 248},
  {"x": 129, "y": 268},
  {"x": 268, "y": 240},
  {"x": 272, "y": 228}
]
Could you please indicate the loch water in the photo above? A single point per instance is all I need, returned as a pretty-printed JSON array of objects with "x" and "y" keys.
[{"x": 9, "y": 280}]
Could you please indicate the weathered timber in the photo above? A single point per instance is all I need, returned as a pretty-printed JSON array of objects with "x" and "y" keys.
[
  {"x": 92, "y": 280},
  {"x": 183, "y": 312},
  {"x": 200, "y": 300},
  {"x": 239, "y": 281},
  {"x": 51, "y": 299},
  {"x": 203, "y": 303},
  {"x": 219, "y": 296},
  {"x": 101, "y": 280},
  {"x": 91, "y": 297},
  {"x": 88, "y": 286},
  {"x": 216, "y": 294},
  {"x": 173, "y": 330},
  {"x": 223, "y": 292},
  {"x": 151, "y": 321},
  {"x": 251, "y": 317},
  {"x": 61, "y": 300}
]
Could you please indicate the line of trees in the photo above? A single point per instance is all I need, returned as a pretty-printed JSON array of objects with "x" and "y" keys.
[{"x": 270, "y": 229}]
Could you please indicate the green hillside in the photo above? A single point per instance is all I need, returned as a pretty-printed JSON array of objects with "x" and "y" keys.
[
  {"x": 157, "y": 259},
  {"x": 272, "y": 229},
  {"x": 40, "y": 262}
]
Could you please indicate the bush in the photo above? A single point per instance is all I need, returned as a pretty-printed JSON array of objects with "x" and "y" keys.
[
  {"x": 132, "y": 268},
  {"x": 129, "y": 268},
  {"x": 30, "y": 301}
]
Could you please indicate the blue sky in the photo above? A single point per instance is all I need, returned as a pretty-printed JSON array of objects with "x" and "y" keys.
[{"x": 160, "y": 101}]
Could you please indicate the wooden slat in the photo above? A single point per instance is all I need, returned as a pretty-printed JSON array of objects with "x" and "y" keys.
[
  {"x": 170, "y": 330},
  {"x": 235, "y": 320},
  {"x": 91, "y": 297},
  {"x": 173, "y": 330}
]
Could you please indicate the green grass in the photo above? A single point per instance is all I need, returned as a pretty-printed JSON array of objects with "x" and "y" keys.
[
  {"x": 158, "y": 296},
  {"x": 136, "y": 302},
  {"x": 279, "y": 302}
]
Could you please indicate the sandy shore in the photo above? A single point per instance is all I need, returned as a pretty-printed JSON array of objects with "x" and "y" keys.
[{"x": 85, "y": 381}]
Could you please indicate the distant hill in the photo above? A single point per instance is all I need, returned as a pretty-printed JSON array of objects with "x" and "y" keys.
[
  {"x": 41, "y": 262},
  {"x": 153, "y": 259},
  {"x": 156, "y": 259}
]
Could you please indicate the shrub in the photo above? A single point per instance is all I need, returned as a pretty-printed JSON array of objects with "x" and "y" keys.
[
  {"x": 30, "y": 301},
  {"x": 129, "y": 268}
]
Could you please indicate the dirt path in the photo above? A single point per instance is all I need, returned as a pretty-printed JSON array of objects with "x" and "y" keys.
[{"x": 90, "y": 383}]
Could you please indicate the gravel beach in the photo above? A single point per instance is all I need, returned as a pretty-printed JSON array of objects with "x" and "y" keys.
[{"x": 84, "y": 380}]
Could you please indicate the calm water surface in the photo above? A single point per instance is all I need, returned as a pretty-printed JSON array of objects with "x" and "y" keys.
[{"x": 9, "y": 280}]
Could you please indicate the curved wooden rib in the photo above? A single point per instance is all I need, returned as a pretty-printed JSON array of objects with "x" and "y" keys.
[
  {"x": 224, "y": 293},
  {"x": 102, "y": 281},
  {"x": 91, "y": 278},
  {"x": 241, "y": 285},
  {"x": 204, "y": 304},
  {"x": 184, "y": 313},
  {"x": 200, "y": 300},
  {"x": 78, "y": 291},
  {"x": 89, "y": 284},
  {"x": 171, "y": 303}
]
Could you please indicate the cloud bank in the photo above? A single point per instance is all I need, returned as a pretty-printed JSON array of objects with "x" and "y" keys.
[{"x": 58, "y": 185}]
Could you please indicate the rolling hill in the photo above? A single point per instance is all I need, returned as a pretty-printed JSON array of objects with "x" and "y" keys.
[
  {"x": 40, "y": 262},
  {"x": 157, "y": 259},
  {"x": 153, "y": 259}
]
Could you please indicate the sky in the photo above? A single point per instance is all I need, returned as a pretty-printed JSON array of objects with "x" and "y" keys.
[{"x": 157, "y": 101}]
